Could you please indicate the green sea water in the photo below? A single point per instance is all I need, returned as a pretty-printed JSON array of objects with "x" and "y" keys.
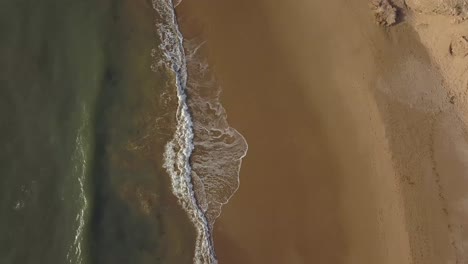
[{"x": 83, "y": 124}]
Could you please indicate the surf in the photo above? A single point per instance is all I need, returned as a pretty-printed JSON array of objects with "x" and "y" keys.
[{"x": 204, "y": 157}]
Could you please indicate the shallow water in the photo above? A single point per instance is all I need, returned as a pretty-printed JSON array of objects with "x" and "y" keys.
[
  {"x": 114, "y": 147},
  {"x": 84, "y": 121}
]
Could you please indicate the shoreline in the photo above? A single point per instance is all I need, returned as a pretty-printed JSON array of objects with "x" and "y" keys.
[{"x": 180, "y": 150}]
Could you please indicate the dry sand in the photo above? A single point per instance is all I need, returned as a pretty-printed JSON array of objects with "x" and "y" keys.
[{"x": 357, "y": 146}]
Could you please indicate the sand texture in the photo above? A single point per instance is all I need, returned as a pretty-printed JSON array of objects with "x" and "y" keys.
[{"x": 356, "y": 132}]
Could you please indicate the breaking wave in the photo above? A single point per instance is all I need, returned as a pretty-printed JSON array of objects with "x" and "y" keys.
[
  {"x": 80, "y": 160},
  {"x": 204, "y": 157}
]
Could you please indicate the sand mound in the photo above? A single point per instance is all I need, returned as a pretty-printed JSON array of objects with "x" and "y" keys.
[
  {"x": 385, "y": 13},
  {"x": 459, "y": 47}
]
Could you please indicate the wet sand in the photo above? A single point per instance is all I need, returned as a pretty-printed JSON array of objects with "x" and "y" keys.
[
  {"x": 338, "y": 114},
  {"x": 307, "y": 193}
]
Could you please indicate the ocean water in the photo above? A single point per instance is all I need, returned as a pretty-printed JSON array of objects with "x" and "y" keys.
[{"x": 114, "y": 147}]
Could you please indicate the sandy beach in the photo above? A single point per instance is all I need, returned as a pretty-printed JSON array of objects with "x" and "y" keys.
[
  {"x": 234, "y": 132},
  {"x": 356, "y": 147}
]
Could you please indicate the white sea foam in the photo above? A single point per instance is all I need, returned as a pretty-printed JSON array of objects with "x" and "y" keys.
[
  {"x": 204, "y": 157},
  {"x": 74, "y": 254}
]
